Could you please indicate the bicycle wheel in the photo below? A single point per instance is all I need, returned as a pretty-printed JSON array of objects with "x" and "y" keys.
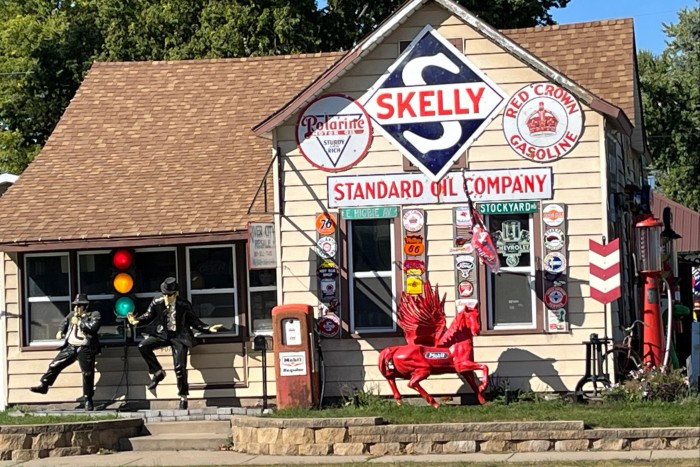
[
  {"x": 592, "y": 390},
  {"x": 621, "y": 362}
]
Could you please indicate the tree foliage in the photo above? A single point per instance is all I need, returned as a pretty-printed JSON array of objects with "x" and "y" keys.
[
  {"x": 47, "y": 46},
  {"x": 670, "y": 85}
]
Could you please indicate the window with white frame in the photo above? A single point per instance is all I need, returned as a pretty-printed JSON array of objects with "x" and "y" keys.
[
  {"x": 371, "y": 278},
  {"x": 153, "y": 265},
  {"x": 512, "y": 295},
  {"x": 262, "y": 298},
  {"x": 211, "y": 275},
  {"x": 47, "y": 288},
  {"x": 95, "y": 280}
]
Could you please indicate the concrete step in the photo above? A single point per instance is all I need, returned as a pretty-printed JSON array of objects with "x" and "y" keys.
[
  {"x": 219, "y": 427},
  {"x": 175, "y": 442}
]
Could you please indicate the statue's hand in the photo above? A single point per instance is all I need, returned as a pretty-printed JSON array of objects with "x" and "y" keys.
[
  {"x": 215, "y": 327},
  {"x": 75, "y": 319},
  {"x": 132, "y": 319},
  {"x": 59, "y": 335}
]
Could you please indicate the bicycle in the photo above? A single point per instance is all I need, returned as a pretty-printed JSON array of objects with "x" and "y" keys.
[{"x": 622, "y": 358}]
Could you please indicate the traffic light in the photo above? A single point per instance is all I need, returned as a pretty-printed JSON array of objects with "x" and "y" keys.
[{"x": 123, "y": 282}]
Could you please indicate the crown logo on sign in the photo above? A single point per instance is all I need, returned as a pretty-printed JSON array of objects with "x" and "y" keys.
[{"x": 542, "y": 122}]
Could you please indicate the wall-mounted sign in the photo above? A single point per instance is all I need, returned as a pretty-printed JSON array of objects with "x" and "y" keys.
[
  {"x": 262, "y": 251},
  {"x": 554, "y": 262},
  {"x": 413, "y": 245},
  {"x": 414, "y": 267},
  {"x": 414, "y": 285},
  {"x": 555, "y": 298},
  {"x": 543, "y": 122},
  {"x": 413, "y": 220},
  {"x": 410, "y": 189},
  {"x": 553, "y": 239},
  {"x": 513, "y": 207},
  {"x": 553, "y": 215},
  {"x": 556, "y": 321},
  {"x": 334, "y": 132},
  {"x": 432, "y": 103},
  {"x": 326, "y": 223},
  {"x": 512, "y": 241},
  {"x": 463, "y": 217},
  {"x": 374, "y": 212},
  {"x": 326, "y": 247},
  {"x": 329, "y": 325}
]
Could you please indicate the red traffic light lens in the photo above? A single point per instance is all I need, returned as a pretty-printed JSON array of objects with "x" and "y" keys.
[{"x": 122, "y": 259}]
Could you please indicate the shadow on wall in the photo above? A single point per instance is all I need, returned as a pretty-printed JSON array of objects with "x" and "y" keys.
[{"x": 518, "y": 366}]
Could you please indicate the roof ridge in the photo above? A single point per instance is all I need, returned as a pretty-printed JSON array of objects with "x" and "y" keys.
[
  {"x": 222, "y": 60},
  {"x": 582, "y": 24}
]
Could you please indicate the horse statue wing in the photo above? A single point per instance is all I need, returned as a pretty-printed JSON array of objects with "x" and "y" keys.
[{"x": 422, "y": 317}]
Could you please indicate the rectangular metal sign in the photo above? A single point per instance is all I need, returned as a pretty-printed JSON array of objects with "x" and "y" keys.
[
  {"x": 508, "y": 207},
  {"x": 410, "y": 189},
  {"x": 370, "y": 212},
  {"x": 262, "y": 248}
]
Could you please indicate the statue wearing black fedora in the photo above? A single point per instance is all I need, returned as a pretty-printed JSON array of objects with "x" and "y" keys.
[
  {"x": 174, "y": 321},
  {"x": 80, "y": 342}
]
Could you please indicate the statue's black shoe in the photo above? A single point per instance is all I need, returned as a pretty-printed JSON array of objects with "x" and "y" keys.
[
  {"x": 41, "y": 389},
  {"x": 157, "y": 378},
  {"x": 89, "y": 407},
  {"x": 183, "y": 404}
]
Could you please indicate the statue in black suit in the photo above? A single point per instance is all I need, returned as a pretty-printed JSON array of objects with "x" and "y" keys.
[
  {"x": 80, "y": 342},
  {"x": 174, "y": 320}
]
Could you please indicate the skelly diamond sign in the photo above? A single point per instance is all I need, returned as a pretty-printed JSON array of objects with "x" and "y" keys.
[{"x": 432, "y": 103}]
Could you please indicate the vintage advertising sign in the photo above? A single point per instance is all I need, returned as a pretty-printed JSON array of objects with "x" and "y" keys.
[
  {"x": 326, "y": 223},
  {"x": 412, "y": 189},
  {"x": 329, "y": 325},
  {"x": 543, "y": 122},
  {"x": 334, "y": 132},
  {"x": 262, "y": 250},
  {"x": 432, "y": 103},
  {"x": 292, "y": 363},
  {"x": 553, "y": 215},
  {"x": 554, "y": 262},
  {"x": 555, "y": 298}
]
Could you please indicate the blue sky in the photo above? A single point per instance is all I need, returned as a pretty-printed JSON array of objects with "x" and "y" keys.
[{"x": 648, "y": 16}]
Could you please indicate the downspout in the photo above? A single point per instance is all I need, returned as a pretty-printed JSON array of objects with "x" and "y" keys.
[
  {"x": 604, "y": 208},
  {"x": 3, "y": 336}
]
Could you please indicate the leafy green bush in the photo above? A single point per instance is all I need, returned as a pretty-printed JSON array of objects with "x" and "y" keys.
[{"x": 651, "y": 384}]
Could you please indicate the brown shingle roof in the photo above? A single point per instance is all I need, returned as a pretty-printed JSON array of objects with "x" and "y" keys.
[
  {"x": 599, "y": 55},
  {"x": 156, "y": 148}
]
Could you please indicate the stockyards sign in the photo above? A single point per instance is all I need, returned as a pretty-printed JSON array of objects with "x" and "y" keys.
[
  {"x": 410, "y": 189},
  {"x": 542, "y": 122},
  {"x": 432, "y": 103},
  {"x": 334, "y": 133}
]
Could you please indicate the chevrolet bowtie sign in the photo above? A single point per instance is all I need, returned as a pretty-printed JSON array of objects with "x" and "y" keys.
[{"x": 432, "y": 103}]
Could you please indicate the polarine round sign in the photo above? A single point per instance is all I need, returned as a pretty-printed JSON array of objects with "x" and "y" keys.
[
  {"x": 334, "y": 132},
  {"x": 542, "y": 122}
]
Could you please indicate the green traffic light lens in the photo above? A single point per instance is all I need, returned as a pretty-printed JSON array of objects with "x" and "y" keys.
[{"x": 124, "y": 306}]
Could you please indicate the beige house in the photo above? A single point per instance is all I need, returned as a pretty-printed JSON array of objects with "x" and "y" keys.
[{"x": 173, "y": 159}]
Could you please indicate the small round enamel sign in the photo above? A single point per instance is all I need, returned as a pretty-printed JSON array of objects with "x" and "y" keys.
[
  {"x": 554, "y": 262},
  {"x": 326, "y": 247},
  {"x": 413, "y": 220},
  {"x": 555, "y": 298},
  {"x": 553, "y": 239},
  {"x": 553, "y": 215}
]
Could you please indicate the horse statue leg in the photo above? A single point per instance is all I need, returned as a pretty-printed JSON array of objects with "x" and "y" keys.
[
  {"x": 386, "y": 368},
  {"x": 417, "y": 376},
  {"x": 467, "y": 371}
]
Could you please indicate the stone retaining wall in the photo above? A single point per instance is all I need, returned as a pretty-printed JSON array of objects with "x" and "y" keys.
[
  {"x": 357, "y": 436},
  {"x": 25, "y": 442}
]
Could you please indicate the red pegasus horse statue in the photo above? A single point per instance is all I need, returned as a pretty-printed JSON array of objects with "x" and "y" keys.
[{"x": 432, "y": 349}]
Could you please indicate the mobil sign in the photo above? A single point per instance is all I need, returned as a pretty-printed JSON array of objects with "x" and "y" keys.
[{"x": 432, "y": 103}]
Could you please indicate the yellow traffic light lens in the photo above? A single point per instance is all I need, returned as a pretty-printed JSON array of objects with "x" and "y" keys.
[{"x": 123, "y": 282}]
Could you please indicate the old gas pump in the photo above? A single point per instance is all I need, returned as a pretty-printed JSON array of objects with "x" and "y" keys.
[
  {"x": 649, "y": 266},
  {"x": 296, "y": 365}
]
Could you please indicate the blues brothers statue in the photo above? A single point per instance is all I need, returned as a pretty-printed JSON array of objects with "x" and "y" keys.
[
  {"x": 80, "y": 342},
  {"x": 174, "y": 321}
]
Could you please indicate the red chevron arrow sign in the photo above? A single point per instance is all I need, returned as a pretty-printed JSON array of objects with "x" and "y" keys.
[{"x": 604, "y": 278}]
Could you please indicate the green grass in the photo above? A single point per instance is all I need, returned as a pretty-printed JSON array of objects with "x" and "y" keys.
[
  {"x": 606, "y": 415},
  {"x": 29, "y": 419}
]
